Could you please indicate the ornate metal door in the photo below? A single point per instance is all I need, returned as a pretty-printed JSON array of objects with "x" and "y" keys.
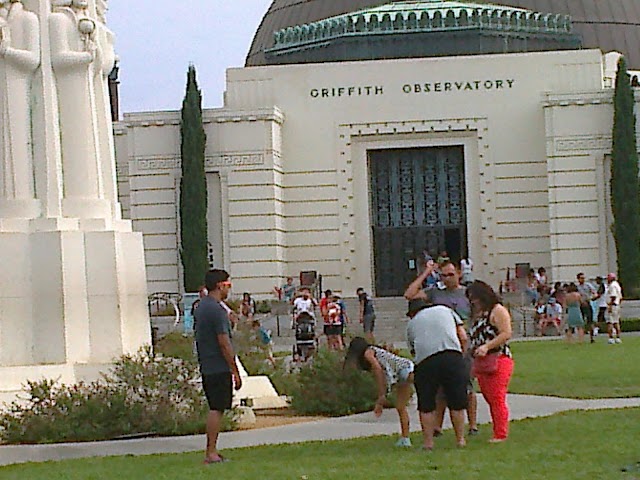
[{"x": 418, "y": 204}]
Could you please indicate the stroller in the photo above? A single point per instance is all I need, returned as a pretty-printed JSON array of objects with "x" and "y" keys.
[{"x": 305, "y": 346}]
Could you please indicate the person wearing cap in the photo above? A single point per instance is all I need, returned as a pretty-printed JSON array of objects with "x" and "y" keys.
[
  {"x": 437, "y": 339},
  {"x": 614, "y": 295}
]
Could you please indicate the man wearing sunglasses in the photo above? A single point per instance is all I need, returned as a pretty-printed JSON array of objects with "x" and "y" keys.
[
  {"x": 452, "y": 296},
  {"x": 216, "y": 357}
]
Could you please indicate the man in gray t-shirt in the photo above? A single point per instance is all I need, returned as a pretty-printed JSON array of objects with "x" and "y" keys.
[
  {"x": 213, "y": 320},
  {"x": 437, "y": 338},
  {"x": 216, "y": 357}
]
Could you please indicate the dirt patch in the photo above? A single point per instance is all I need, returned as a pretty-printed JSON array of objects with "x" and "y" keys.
[{"x": 266, "y": 421}]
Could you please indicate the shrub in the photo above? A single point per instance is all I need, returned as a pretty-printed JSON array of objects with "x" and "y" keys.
[
  {"x": 233, "y": 304},
  {"x": 627, "y": 325},
  {"x": 141, "y": 394},
  {"x": 176, "y": 345},
  {"x": 630, "y": 325},
  {"x": 324, "y": 388},
  {"x": 263, "y": 307}
]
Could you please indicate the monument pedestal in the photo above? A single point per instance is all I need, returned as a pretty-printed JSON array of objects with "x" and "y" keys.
[
  {"x": 71, "y": 301},
  {"x": 73, "y": 284}
]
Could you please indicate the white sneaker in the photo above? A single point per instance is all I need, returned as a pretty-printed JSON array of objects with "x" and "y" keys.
[
  {"x": 403, "y": 442},
  {"x": 618, "y": 340},
  {"x": 611, "y": 341}
]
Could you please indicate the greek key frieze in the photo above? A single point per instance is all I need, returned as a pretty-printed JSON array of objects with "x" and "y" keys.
[
  {"x": 235, "y": 160},
  {"x": 580, "y": 144},
  {"x": 158, "y": 164}
]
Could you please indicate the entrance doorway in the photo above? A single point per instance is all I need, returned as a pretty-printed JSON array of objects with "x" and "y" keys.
[{"x": 418, "y": 207}]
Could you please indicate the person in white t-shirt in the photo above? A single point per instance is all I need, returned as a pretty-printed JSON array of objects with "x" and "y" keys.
[
  {"x": 614, "y": 298},
  {"x": 304, "y": 303},
  {"x": 552, "y": 316},
  {"x": 466, "y": 271},
  {"x": 541, "y": 276}
]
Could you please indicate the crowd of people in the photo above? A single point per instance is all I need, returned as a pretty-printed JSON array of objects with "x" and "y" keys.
[
  {"x": 456, "y": 333},
  {"x": 577, "y": 307}
]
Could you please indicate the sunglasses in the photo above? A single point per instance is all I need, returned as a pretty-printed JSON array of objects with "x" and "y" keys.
[
  {"x": 447, "y": 274},
  {"x": 225, "y": 284}
]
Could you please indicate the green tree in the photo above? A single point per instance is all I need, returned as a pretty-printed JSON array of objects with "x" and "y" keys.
[
  {"x": 193, "y": 188},
  {"x": 625, "y": 196}
]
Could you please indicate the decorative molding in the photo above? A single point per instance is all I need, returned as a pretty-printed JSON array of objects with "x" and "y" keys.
[
  {"x": 156, "y": 164},
  {"x": 234, "y": 160},
  {"x": 424, "y": 16},
  {"x": 211, "y": 115},
  {"x": 601, "y": 97},
  {"x": 122, "y": 171},
  {"x": 212, "y": 162},
  {"x": 576, "y": 144}
]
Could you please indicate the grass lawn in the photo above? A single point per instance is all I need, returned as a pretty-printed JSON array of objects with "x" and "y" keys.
[
  {"x": 594, "y": 370},
  {"x": 566, "y": 446}
]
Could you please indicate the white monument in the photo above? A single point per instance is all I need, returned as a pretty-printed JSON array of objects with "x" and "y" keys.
[{"x": 73, "y": 282}]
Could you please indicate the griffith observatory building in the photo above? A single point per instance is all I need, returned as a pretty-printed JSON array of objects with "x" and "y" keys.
[{"x": 362, "y": 133}]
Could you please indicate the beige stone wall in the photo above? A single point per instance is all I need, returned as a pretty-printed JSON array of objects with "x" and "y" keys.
[{"x": 290, "y": 152}]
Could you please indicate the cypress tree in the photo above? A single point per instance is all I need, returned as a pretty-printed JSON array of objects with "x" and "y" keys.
[
  {"x": 625, "y": 196},
  {"x": 193, "y": 188}
]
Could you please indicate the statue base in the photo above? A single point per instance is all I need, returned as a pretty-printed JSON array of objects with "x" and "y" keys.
[
  {"x": 69, "y": 298},
  {"x": 19, "y": 209}
]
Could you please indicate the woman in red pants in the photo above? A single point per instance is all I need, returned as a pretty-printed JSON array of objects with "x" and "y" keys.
[{"x": 493, "y": 364}]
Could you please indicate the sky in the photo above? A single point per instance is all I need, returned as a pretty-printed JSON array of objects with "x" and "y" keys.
[{"x": 157, "y": 39}]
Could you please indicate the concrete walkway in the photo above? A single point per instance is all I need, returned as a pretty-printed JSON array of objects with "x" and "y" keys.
[{"x": 355, "y": 426}]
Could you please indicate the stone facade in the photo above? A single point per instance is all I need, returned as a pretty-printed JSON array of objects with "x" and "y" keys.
[{"x": 288, "y": 175}]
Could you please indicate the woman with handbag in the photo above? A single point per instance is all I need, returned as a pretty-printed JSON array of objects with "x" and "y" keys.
[{"x": 493, "y": 363}]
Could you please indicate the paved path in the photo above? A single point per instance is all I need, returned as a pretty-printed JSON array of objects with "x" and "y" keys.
[{"x": 355, "y": 426}]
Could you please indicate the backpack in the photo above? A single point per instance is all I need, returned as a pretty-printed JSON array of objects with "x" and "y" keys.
[{"x": 305, "y": 331}]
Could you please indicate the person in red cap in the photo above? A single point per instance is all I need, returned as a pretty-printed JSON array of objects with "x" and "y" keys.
[{"x": 614, "y": 296}]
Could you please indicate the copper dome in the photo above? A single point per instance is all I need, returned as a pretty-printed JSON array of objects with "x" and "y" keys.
[{"x": 606, "y": 24}]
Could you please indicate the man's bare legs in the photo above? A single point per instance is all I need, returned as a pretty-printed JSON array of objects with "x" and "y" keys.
[
  {"x": 214, "y": 419},
  {"x": 428, "y": 421},
  {"x": 441, "y": 407},
  {"x": 472, "y": 413},
  {"x": 457, "y": 418}
]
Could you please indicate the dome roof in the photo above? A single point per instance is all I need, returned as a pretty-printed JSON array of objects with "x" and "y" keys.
[{"x": 606, "y": 24}]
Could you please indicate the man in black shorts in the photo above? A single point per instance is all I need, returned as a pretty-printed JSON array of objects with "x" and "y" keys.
[
  {"x": 437, "y": 338},
  {"x": 216, "y": 357}
]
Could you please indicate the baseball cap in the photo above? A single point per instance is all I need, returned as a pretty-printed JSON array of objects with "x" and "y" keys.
[{"x": 611, "y": 276}]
